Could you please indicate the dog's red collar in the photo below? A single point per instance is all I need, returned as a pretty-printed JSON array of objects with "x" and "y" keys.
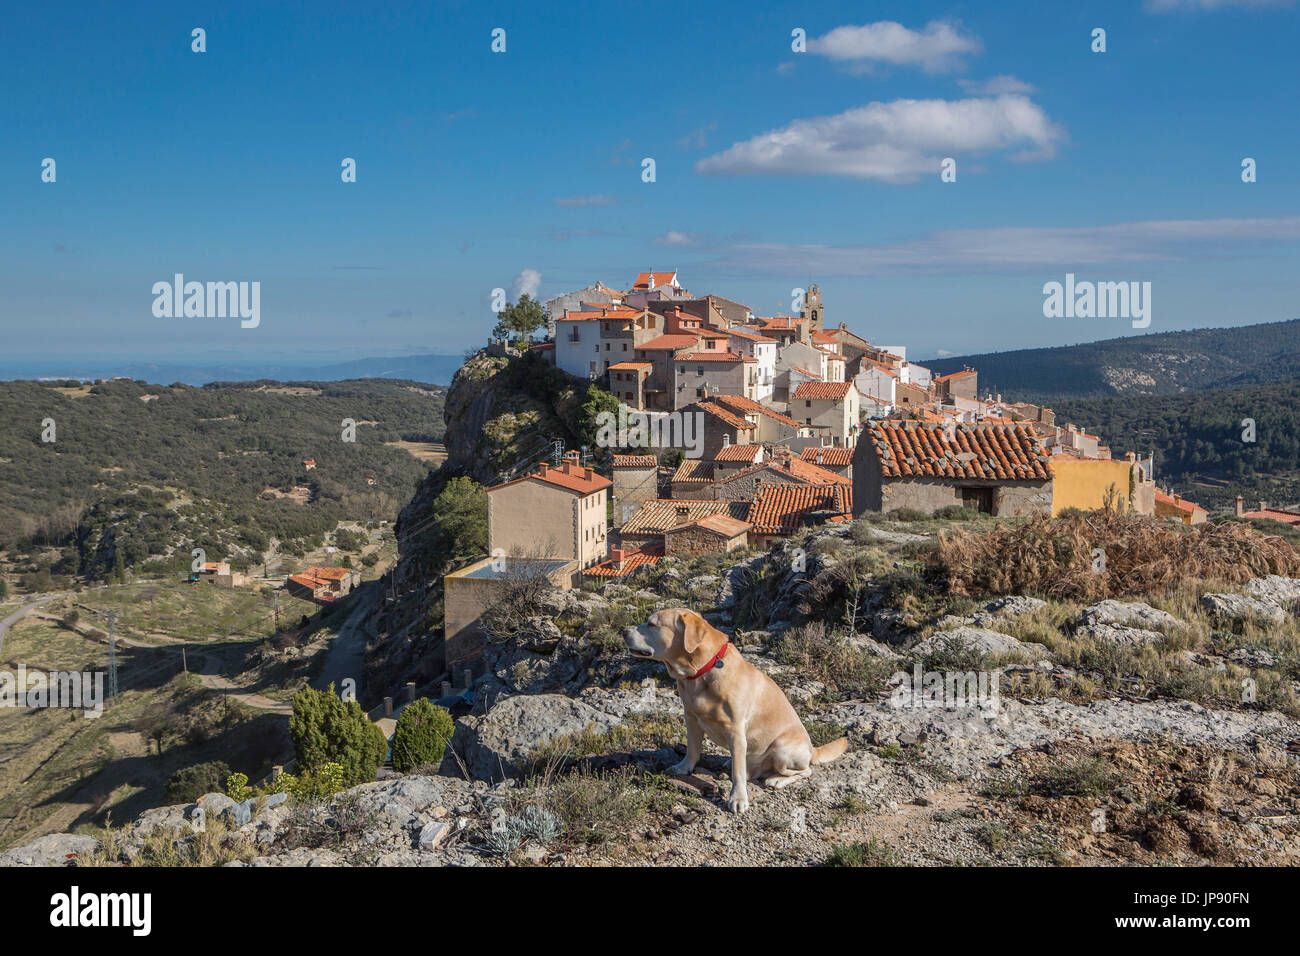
[{"x": 714, "y": 661}]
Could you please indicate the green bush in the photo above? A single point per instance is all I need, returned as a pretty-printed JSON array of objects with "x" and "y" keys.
[
  {"x": 189, "y": 783},
  {"x": 958, "y": 513},
  {"x": 423, "y": 730},
  {"x": 906, "y": 514},
  {"x": 325, "y": 729}
]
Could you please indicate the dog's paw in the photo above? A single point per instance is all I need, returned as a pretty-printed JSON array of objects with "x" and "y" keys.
[
  {"x": 738, "y": 802},
  {"x": 682, "y": 768}
]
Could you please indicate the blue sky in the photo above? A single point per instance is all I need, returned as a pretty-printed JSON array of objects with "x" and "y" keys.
[{"x": 773, "y": 168}]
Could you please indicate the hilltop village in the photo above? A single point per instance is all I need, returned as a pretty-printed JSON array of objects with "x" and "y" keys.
[{"x": 802, "y": 421}]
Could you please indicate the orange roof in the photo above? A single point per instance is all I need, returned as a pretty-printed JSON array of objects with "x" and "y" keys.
[
  {"x": 718, "y": 411},
  {"x": 781, "y": 509},
  {"x": 815, "y": 375},
  {"x": 788, "y": 465},
  {"x": 658, "y": 515},
  {"x": 652, "y": 280},
  {"x": 731, "y": 357},
  {"x": 694, "y": 469},
  {"x": 913, "y": 450},
  {"x": 724, "y": 525},
  {"x": 316, "y": 577},
  {"x": 738, "y": 453},
  {"x": 629, "y": 366},
  {"x": 821, "y": 391},
  {"x": 1180, "y": 503},
  {"x": 571, "y": 316},
  {"x": 824, "y": 336},
  {"x": 648, "y": 553},
  {"x": 748, "y": 406},
  {"x": 1275, "y": 514},
  {"x": 752, "y": 336},
  {"x": 636, "y": 461},
  {"x": 671, "y": 340},
  {"x": 833, "y": 455},
  {"x": 944, "y": 378},
  {"x": 568, "y": 476}
]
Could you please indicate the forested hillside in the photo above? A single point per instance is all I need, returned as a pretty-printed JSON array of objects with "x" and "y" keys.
[
  {"x": 1168, "y": 363},
  {"x": 134, "y": 468},
  {"x": 1198, "y": 438}
]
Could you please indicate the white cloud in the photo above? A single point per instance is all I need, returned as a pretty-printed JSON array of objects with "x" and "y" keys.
[
  {"x": 895, "y": 142},
  {"x": 1018, "y": 248},
  {"x": 997, "y": 86},
  {"x": 937, "y": 48},
  {"x": 599, "y": 199},
  {"x": 526, "y": 283},
  {"x": 675, "y": 237}
]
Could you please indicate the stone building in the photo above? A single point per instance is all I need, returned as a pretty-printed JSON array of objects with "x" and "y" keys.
[
  {"x": 711, "y": 534},
  {"x": 551, "y": 513},
  {"x": 783, "y": 469},
  {"x": 636, "y": 481},
  {"x": 995, "y": 468}
]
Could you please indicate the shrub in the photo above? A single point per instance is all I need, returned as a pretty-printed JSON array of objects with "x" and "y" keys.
[
  {"x": 421, "y": 736},
  {"x": 325, "y": 729},
  {"x": 189, "y": 783},
  {"x": 1056, "y": 557}
]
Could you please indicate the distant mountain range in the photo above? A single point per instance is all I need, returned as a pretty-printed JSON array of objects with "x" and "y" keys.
[
  {"x": 1168, "y": 363},
  {"x": 433, "y": 369}
]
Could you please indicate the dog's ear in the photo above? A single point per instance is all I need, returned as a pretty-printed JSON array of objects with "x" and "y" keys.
[{"x": 693, "y": 631}]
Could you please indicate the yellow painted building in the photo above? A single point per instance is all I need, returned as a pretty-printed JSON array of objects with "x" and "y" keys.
[{"x": 1084, "y": 483}]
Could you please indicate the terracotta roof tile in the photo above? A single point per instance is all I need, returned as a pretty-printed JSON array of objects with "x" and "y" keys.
[
  {"x": 747, "y": 406},
  {"x": 636, "y": 461},
  {"x": 629, "y": 366},
  {"x": 788, "y": 466},
  {"x": 821, "y": 391},
  {"x": 718, "y": 411},
  {"x": 715, "y": 357},
  {"x": 781, "y": 509},
  {"x": 915, "y": 450},
  {"x": 694, "y": 469},
  {"x": 568, "y": 476},
  {"x": 724, "y": 525},
  {"x": 658, "y": 515},
  {"x": 738, "y": 453},
  {"x": 648, "y": 553},
  {"x": 835, "y": 456}
]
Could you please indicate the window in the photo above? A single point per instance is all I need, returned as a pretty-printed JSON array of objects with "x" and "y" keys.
[
  {"x": 807, "y": 403},
  {"x": 624, "y": 346}
]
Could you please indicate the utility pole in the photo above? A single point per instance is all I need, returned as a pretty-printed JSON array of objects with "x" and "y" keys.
[
  {"x": 558, "y": 451},
  {"x": 276, "y": 611},
  {"x": 112, "y": 660}
]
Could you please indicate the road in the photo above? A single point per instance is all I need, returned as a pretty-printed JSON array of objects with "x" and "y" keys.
[{"x": 23, "y": 611}]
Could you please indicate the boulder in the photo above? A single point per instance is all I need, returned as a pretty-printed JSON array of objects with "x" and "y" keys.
[
  {"x": 1117, "y": 635},
  {"x": 501, "y": 743},
  {"x": 1284, "y": 592},
  {"x": 1128, "y": 614},
  {"x": 982, "y": 639},
  {"x": 1242, "y": 607},
  {"x": 54, "y": 849}
]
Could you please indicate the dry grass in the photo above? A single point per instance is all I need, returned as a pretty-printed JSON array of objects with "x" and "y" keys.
[{"x": 1057, "y": 557}]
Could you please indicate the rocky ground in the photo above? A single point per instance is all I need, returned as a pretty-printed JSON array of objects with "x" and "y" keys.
[{"x": 1157, "y": 731}]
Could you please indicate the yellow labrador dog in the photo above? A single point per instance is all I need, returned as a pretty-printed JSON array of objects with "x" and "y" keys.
[{"x": 731, "y": 702}]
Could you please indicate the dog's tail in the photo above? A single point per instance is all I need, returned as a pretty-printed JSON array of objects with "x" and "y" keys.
[{"x": 828, "y": 752}]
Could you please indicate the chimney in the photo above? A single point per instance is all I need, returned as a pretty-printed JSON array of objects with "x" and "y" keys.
[
  {"x": 1241, "y": 506},
  {"x": 618, "y": 556},
  {"x": 1263, "y": 506},
  {"x": 586, "y": 473},
  {"x": 544, "y": 468}
]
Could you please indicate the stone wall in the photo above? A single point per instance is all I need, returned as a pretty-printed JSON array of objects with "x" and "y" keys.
[{"x": 632, "y": 488}]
